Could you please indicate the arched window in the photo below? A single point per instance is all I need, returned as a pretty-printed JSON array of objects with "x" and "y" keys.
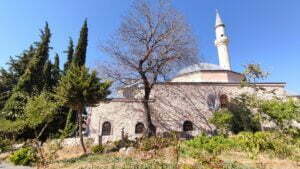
[
  {"x": 106, "y": 128},
  {"x": 223, "y": 101},
  {"x": 139, "y": 128},
  {"x": 187, "y": 126},
  {"x": 211, "y": 102}
]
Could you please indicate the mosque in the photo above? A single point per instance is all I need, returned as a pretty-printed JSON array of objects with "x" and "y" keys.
[{"x": 183, "y": 104}]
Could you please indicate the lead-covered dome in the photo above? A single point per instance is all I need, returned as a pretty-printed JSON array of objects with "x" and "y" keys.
[{"x": 199, "y": 67}]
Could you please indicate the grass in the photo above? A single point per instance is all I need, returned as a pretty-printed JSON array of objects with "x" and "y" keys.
[{"x": 163, "y": 160}]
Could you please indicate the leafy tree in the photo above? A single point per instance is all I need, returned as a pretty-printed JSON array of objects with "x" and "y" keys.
[
  {"x": 70, "y": 53},
  {"x": 79, "y": 89},
  {"x": 80, "y": 52}
]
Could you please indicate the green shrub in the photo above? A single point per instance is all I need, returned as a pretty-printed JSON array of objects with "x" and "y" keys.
[
  {"x": 124, "y": 143},
  {"x": 214, "y": 145},
  {"x": 97, "y": 149},
  {"x": 23, "y": 156},
  {"x": 282, "y": 112},
  {"x": 274, "y": 143},
  {"x": 155, "y": 143},
  {"x": 222, "y": 120},
  {"x": 5, "y": 145}
]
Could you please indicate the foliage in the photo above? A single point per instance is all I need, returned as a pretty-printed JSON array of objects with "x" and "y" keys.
[
  {"x": 222, "y": 119},
  {"x": 14, "y": 107},
  {"x": 237, "y": 117},
  {"x": 40, "y": 109},
  {"x": 10, "y": 76},
  {"x": 214, "y": 145},
  {"x": 33, "y": 80},
  {"x": 281, "y": 111},
  {"x": 23, "y": 156},
  {"x": 5, "y": 145},
  {"x": 155, "y": 143},
  {"x": 70, "y": 125},
  {"x": 70, "y": 53},
  {"x": 273, "y": 143},
  {"x": 80, "y": 52},
  {"x": 97, "y": 149},
  {"x": 252, "y": 74},
  {"x": 79, "y": 88}
]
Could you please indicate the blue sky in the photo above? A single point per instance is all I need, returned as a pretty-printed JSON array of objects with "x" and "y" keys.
[{"x": 260, "y": 31}]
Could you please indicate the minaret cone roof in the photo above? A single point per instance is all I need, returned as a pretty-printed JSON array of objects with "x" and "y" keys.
[{"x": 219, "y": 21}]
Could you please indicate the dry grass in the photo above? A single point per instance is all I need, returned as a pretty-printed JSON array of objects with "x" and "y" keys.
[
  {"x": 72, "y": 158},
  {"x": 263, "y": 161}
]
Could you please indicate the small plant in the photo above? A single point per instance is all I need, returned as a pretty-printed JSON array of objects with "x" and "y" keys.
[
  {"x": 214, "y": 145},
  {"x": 97, "y": 149},
  {"x": 23, "y": 156},
  {"x": 155, "y": 143},
  {"x": 5, "y": 145}
]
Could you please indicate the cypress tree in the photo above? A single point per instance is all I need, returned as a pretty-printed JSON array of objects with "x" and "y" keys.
[
  {"x": 32, "y": 82},
  {"x": 32, "y": 79},
  {"x": 70, "y": 53},
  {"x": 55, "y": 71},
  {"x": 80, "y": 52},
  {"x": 10, "y": 76},
  {"x": 47, "y": 76}
]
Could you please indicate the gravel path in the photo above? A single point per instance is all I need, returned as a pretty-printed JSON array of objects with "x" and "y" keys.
[{"x": 9, "y": 166}]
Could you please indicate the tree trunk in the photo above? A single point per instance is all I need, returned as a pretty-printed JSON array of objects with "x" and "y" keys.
[
  {"x": 151, "y": 130},
  {"x": 80, "y": 130}
]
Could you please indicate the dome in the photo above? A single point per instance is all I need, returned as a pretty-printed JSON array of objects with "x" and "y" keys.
[{"x": 198, "y": 67}]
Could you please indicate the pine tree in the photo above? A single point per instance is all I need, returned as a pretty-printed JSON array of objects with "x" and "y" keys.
[
  {"x": 79, "y": 89},
  {"x": 70, "y": 53},
  {"x": 80, "y": 52}
]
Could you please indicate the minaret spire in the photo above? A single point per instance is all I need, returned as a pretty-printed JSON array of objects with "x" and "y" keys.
[
  {"x": 221, "y": 43},
  {"x": 219, "y": 21}
]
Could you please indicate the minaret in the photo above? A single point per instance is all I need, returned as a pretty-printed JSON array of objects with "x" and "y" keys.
[{"x": 221, "y": 43}]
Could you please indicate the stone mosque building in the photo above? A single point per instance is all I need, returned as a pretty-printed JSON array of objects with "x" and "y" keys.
[{"x": 183, "y": 104}]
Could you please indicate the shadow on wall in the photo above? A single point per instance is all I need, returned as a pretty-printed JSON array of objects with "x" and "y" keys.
[{"x": 175, "y": 107}]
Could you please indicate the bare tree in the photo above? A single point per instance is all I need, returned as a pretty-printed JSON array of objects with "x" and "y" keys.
[{"x": 152, "y": 41}]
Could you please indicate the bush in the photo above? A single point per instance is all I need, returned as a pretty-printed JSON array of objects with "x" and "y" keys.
[
  {"x": 124, "y": 143},
  {"x": 97, "y": 149},
  {"x": 222, "y": 120},
  {"x": 214, "y": 145},
  {"x": 282, "y": 112},
  {"x": 23, "y": 156},
  {"x": 274, "y": 143},
  {"x": 5, "y": 145},
  {"x": 155, "y": 143}
]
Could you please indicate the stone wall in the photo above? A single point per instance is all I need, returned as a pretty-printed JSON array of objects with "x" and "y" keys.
[{"x": 172, "y": 105}]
